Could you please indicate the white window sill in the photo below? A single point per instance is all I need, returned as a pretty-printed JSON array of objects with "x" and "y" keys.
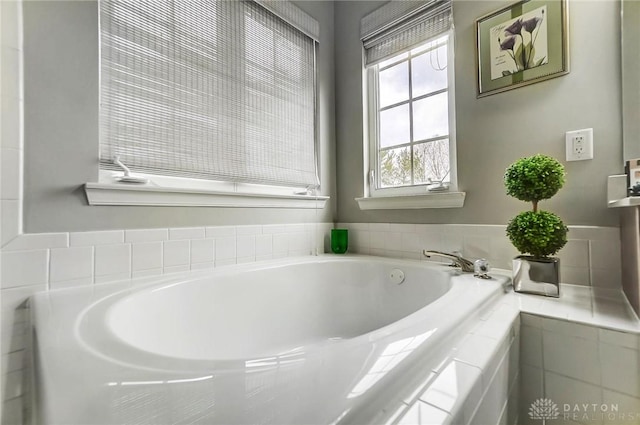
[
  {"x": 432, "y": 200},
  {"x": 148, "y": 195}
]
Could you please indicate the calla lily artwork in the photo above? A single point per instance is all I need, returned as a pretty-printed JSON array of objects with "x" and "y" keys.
[{"x": 519, "y": 44}]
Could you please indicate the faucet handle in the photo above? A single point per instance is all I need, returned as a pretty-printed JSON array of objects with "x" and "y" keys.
[{"x": 481, "y": 269}]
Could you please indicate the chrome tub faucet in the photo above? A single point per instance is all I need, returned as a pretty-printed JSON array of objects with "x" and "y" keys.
[{"x": 464, "y": 264}]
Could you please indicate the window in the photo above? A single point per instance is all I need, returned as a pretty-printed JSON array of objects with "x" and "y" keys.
[
  {"x": 412, "y": 116},
  {"x": 410, "y": 99},
  {"x": 221, "y": 91}
]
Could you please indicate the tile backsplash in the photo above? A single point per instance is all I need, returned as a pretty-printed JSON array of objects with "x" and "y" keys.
[
  {"x": 591, "y": 256},
  {"x": 39, "y": 262}
]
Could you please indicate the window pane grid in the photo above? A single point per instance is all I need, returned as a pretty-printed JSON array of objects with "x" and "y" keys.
[{"x": 420, "y": 159}]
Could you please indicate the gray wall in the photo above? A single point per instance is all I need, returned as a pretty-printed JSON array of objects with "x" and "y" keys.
[
  {"x": 61, "y": 129},
  {"x": 494, "y": 131}
]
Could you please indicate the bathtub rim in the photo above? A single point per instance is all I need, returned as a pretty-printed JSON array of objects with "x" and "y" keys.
[{"x": 84, "y": 336}]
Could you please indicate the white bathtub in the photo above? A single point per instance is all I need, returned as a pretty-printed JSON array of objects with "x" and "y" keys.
[{"x": 309, "y": 340}]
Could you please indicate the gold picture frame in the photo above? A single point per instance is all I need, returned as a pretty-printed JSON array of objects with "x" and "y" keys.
[{"x": 522, "y": 44}]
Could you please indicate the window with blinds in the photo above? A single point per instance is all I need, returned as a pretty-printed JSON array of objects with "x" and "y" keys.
[
  {"x": 409, "y": 59},
  {"x": 206, "y": 89}
]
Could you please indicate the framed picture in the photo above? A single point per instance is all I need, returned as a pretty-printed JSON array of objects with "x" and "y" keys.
[{"x": 522, "y": 44}]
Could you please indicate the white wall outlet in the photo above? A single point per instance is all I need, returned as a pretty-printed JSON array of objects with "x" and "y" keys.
[{"x": 579, "y": 144}]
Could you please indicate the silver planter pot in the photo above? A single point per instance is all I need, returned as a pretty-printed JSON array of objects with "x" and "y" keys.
[{"x": 540, "y": 276}]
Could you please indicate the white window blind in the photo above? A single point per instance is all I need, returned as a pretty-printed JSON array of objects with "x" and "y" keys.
[
  {"x": 219, "y": 90},
  {"x": 399, "y": 25}
]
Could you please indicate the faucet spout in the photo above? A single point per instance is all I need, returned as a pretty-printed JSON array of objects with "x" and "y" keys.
[{"x": 458, "y": 261}]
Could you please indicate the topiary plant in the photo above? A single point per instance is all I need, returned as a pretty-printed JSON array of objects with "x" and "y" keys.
[{"x": 532, "y": 179}]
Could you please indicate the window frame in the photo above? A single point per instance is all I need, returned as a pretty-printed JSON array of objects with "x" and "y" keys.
[
  {"x": 169, "y": 190},
  {"x": 373, "y": 187}
]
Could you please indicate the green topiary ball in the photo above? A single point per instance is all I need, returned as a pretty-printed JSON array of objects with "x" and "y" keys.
[
  {"x": 540, "y": 233},
  {"x": 534, "y": 178}
]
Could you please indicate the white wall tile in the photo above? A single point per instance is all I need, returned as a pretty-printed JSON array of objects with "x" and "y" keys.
[
  {"x": 562, "y": 389},
  {"x": 176, "y": 269},
  {"x": 295, "y": 228},
  {"x": 575, "y": 253},
  {"x": 456, "y": 385},
  {"x": 187, "y": 233},
  {"x": 202, "y": 251},
  {"x": 146, "y": 235},
  {"x": 628, "y": 340},
  {"x": 12, "y": 410},
  {"x": 246, "y": 246},
  {"x": 225, "y": 248},
  {"x": 71, "y": 263},
  {"x": 626, "y": 405},
  {"x": 620, "y": 369},
  {"x": 175, "y": 253},
  {"x": 31, "y": 241},
  {"x": 248, "y": 230},
  {"x": 574, "y": 275},
  {"x": 226, "y": 262},
  {"x": 112, "y": 277},
  {"x": 11, "y": 72},
  {"x": 113, "y": 259},
  {"x": 10, "y": 162},
  {"x": 298, "y": 242},
  {"x": 146, "y": 273},
  {"x": 594, "y": 233},
  {"x": 23, "y": 268},
  {"x": 570, "y": 329},
  {"x": 280, "y": 243},
  {"x": 11, "y": 220},
  {"x": 452, "y": 241},
  {"x": 571, "y": 356},
  {"x": 13, "y": 316},
  {"x": 476, "y": 247},
  {"x": 220, "y": 231},
  {"x": 393, "y": 241},
  {"x": 476, "y": 350},
  {"x": 360, "y": 238},
  {"x": 10, "y": 23},
  {"x": 264, "y": 245},
  {"x": 244, "y": 260},
  {"x": 495, "y": 396},
  {"x": 146, "y": 256},
  {"x": 421, "y": 413},
  {"x": 605, "y": 254},
  {"x": 531, "y": 346},
  {"x": 71, "y": 283},
  {"x": 377, "y": 240},
  {"x": 96, "y": 238},
  {"x": 402, "y": 228},
  {"x": 203, "y": 266},
  {"x": 531, "y": 389},
  {"x": 274, "y": 228},
  {"x": 379, "y": 227},
  {"x": 606, "y": 278},
  {"x": 10, "y": 129},
  {"x": 411, "y": 242}
]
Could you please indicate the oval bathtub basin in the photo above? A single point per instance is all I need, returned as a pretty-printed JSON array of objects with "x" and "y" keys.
[
  {"x": 272, "y": 310},
  {"x": 314, "y": 340}
]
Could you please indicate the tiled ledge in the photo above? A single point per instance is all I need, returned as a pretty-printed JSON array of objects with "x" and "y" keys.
[{"x": 598, "y": 307}]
